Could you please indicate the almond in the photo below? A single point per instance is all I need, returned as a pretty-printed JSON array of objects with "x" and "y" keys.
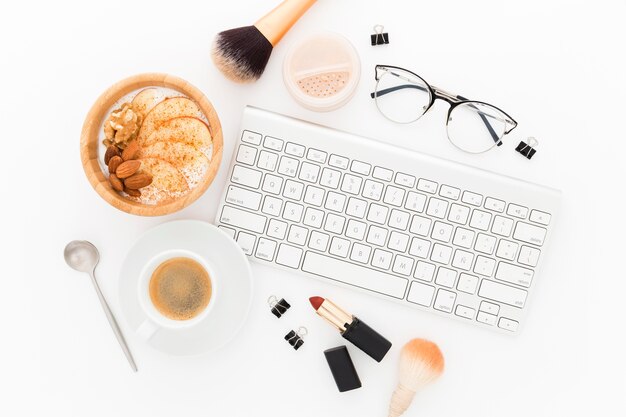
[
  {"x": 116, "y": 183},
  {"x": 131, "y": 151},
  {"x": 138, "y": 181},
  {"x": 112, "y": 151},
  {"x": 132, "y": 193},
  {"x": 127, "y": 168},
  {"x": 114, "y": 163}
]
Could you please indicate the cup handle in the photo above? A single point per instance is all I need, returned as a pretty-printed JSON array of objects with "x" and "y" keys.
[{"x": 147, "y": 329}]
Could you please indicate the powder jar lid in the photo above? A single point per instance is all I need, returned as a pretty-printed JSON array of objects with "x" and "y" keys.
[{"x": 322, "y": 71}]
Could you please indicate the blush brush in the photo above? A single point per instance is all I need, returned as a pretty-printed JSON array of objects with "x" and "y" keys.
[{"x": 241, "y": 54}]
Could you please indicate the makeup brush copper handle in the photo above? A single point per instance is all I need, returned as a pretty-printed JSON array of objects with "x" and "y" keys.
[{"x": 276, "y": 23}]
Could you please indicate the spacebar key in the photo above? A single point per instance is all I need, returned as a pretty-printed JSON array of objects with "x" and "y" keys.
[{"x": 358, "y": 276}]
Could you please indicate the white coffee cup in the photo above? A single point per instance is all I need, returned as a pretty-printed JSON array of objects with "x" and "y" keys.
[{"x": 155, "y": 321}]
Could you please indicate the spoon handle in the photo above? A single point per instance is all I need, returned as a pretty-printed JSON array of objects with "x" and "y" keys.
[{"x": 113, "y": 322}]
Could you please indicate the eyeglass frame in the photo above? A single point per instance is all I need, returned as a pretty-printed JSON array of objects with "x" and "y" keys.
[{"x": 436, "y": 93}]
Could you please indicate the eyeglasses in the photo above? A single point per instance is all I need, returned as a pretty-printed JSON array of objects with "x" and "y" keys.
[{"x": 472, "y": 126}]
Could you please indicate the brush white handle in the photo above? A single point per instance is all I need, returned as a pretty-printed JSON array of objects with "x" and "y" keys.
[
  {"x": 276, "y": 23},
  {"x": 400, "y": 401}
]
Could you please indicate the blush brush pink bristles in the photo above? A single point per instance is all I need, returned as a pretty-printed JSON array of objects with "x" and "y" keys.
[
  {"x": 421, "y": 363},
  {"x": 241, "y": 54}
]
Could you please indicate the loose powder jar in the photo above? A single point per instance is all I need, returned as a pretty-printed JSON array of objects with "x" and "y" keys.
[{"x": 322, "y": 71}]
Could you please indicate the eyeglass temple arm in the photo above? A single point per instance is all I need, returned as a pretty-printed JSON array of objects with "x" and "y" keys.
[{"x": 482, "y": 115}]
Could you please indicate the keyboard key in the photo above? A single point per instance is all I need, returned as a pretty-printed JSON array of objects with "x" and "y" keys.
[
  {"x": 463, "y": 237},
  {"x": 382, "y": 174},
  {"x": 338, "y": 162},
  {"x": 309, "y": 172},
  {"x": 420, "y": 225},
  {"x": 494, "y": 204},
  {"x": 467, "y": 283},
  {"x": 427, "y": 186},
  {"x": 480, "y": 220},
  {"x": 507, "y": 249},
  {"x": 502, "y": 293},
  {"x": 318, "y": 241},
  {"x": 490, "y": 308},
  {"x": 517, "y": 211},
  {"x": 359, "y": 276},
  {"x": 288, "y": 166},
  {"x": 464, "y": 311},
  {"x": 294, "y": 149},
  {"x": 445, "y": 277},
  {"x": 272, "y": 184},
  {"x": 463, "y": 260},
  {"x": 356, "y": 207},
  {"x": 251, "y": 137},
  {"x": 351, "y": 184},
  {"x": 277, "y": 229},
  {"x": 246, "y": 242},
  {"x": 403, "y": 265},
  {"x": 399, "y": 219},
  {"x": 419, "y": 247},
  {"x": 243, "y": 219},
  {"x": 293, "y": 212},
  {"x": 528, "y": 256},
  {"x": 485, "y": 243},
  {"x": 356, "y": 229},
  {"x": 415, "y": 202},
  {"x": 398, "y": 241},
  {"x": 540, "y": 217},
  {"x": 394, "y": 196},
  {"x": 502, "y": 226},
  {"x": 273, "y": 143},
  {"x": 424, "y": 271},
  {"x": 486, "y": 318},
  {"x": 377, "y": 236},
  {"x": 381, "y": 259},
  {"x": 514, "y": 274},
  {"x": 267, "y": 161},
  {"x": 508, "y": 324},
  {"x": 334, "y": 223},
  {"x": 421, "y": 294},
  {"x": 377, "y": 213},
  {"x": 442, "y": 232},
  {"x": 529, "y": 233},
  {"x": 244, "y": 198},
  {"x": 441, "y": 254},
  {"x": 313, "y": 217},
  {"x": 289, "y": 256},
  {"x": 444, "y": 301},
  {"x": 405, "y": 180},
  {"x": 272, "y": 205},
  {"x": 293, "y": 190},
  {"x": 265, "y": 249},
  {"x": 484, "y": 266},
  {"x": 330, "y": 178},
  {"x": 360, "y": 167},
  {"x": 335, "y": 202},
  {"x": 360, "y": 253},
  {"x": 316, "y": 155},
  {"x": 458, "y": 214},
  {"x": 449, "y": 192},
  {"x": 246, "y": 176},
  {"x": 297, "y": 234},
  {"x": 472, "y": 198},
  {"x": 314, "y": 196},
  {"x": 339, "y": 247},
  {"x": 230, "y": 232},
  {"x": 246, "y": 155},
  {"x": 372, "y": 190},
  {"x": 437, "y": 208}
]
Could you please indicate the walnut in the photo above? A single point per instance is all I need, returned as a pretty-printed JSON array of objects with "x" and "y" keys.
[{"x": 122, "y": 125}]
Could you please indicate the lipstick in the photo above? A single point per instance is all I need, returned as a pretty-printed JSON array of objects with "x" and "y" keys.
[{"x": 352, "y": 328}]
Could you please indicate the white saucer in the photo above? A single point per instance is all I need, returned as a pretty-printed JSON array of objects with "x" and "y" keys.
[{"x": 225, "y": 259}]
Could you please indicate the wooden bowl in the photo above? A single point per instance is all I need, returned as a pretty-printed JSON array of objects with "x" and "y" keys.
[{"x": 90, "y": 143}]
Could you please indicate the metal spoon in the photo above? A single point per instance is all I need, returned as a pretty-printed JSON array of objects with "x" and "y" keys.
[{"x": 83, "y": 256}]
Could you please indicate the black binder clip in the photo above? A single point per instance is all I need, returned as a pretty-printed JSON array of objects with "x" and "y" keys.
[
  {"x": 279, "y": 307},
  {"x": 379, "y": 37},
  {"x": 528, "y": 149},
  {"x": 295, "y": 338}
]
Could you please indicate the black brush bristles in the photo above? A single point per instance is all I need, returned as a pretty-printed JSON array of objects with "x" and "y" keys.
[{"x": 242, "y": 53}]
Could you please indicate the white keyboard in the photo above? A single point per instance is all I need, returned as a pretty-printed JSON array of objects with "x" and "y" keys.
[{"x": 426, "y": 232}]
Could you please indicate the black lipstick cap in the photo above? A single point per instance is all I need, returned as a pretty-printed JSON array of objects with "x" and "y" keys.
[
  {"x": 367, "y": 339},
  {"x": 342, "y": 368}
]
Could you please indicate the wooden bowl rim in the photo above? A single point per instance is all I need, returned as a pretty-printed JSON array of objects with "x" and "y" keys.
[{"x": 90, "y": 141}]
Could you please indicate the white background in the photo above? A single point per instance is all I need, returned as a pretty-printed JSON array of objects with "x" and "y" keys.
[{"x": 556, "y": 67}]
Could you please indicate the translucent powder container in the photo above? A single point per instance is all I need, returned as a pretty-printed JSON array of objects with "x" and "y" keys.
[{"x": 322, "y": 71}]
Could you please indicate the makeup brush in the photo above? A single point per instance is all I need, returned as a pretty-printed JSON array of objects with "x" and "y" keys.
[
  {"x": 421, "y": 363},
  {"x": 242, "y": 53}
]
